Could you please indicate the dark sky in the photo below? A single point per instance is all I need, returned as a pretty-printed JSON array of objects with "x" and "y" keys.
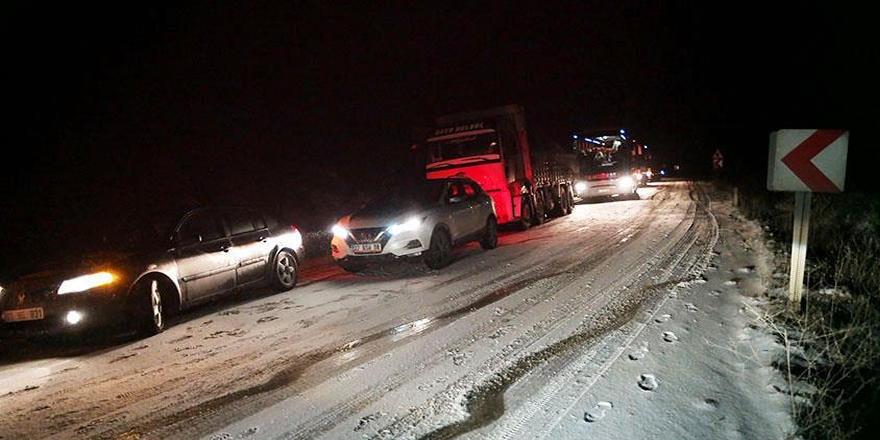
[{"x": 231, "y": 101}]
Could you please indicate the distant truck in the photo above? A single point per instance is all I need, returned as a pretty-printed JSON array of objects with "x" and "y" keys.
[
  {"x": 611, "y": 164},
  {"x": 528, "y": 176}
]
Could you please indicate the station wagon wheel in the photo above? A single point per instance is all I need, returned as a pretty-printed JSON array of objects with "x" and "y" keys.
[
  {"x": 149, "y": 307},
  {"x": 490, "y": 238},
  {"x": 440, "y": 253},
  {"x": 284, "y": 271}
]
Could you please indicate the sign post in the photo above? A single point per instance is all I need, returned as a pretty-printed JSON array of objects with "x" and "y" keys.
[
  {"x": 799, "y": 236},
  {"x": 805, "y": 161}
]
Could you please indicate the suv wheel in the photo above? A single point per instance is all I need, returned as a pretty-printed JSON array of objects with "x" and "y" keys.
[
  {"x": 439, "y": 255},
  {"x": 490, "y": 238}
]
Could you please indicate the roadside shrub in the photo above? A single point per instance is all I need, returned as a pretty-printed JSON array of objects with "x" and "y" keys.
[{"x": 834, "y": 345}]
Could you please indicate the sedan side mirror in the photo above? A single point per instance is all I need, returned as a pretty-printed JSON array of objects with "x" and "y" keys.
[{"x": 189, "y": 241}]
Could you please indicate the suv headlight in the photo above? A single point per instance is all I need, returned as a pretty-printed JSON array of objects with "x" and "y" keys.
[
  {"x": 411, "y": 224},
  {"x": 86, "y": 282},
  {"x": 339, "y": 231}
]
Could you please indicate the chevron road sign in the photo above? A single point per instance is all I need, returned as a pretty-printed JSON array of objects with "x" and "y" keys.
[{"x": 805, "y": 161}]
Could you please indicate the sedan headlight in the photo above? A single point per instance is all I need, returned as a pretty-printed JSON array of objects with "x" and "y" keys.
[
  {"x": 86, "y": 282},
  {"x": 410, "y": 225},
  {"x": 339, "y": 231},
  {"x": 625, "y": 183}
]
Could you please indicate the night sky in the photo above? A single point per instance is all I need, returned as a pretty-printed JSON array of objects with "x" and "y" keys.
[{"x": 119, "y": 108}]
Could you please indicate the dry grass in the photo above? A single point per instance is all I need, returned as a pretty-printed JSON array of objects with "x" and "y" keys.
[{"x": 833, "y": 347}]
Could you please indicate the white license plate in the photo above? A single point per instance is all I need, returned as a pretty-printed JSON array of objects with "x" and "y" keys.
[
  {"x": 366, "y": 248},
  {"x": 32, "y": 314}
]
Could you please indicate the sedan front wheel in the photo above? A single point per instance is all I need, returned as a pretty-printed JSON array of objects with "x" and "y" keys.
[
  {"x": 284, "y": 272},
  {"x": 149, "y": 307}
]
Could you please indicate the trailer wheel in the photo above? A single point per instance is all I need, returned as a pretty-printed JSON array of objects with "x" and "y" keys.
[
  {"x": 558, "y": 198},
  {"x": 538, "y": 213},
  {"x": 569, "y": 197},
  {"x": 525, "y": 217}
]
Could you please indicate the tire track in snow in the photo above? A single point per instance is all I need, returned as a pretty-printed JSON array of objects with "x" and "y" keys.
[
  {"x": 361, "y": 399},
  {"x": 517, "y": 370},
  {"x": 296, "y": 366},
  {"x": 590, "y": 263}
]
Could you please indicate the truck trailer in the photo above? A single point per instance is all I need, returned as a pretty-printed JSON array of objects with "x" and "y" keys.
[{"x": 529, "y": 176}]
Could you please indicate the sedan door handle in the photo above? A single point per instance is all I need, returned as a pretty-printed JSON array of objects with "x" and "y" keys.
[
  {"x": 261, "y": 238},
  {"x": 224, "y": 247}
]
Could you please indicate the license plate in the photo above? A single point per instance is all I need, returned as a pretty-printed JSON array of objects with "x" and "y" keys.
[
  {"x": 366, "y": 248},
  {"x": 32, "y": 314}
]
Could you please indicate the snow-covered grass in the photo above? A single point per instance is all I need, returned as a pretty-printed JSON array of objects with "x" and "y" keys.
[{"x": 832, "y": 345}]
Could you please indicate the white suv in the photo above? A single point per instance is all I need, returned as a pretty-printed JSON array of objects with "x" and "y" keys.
[{"x": 425, "y": 219}]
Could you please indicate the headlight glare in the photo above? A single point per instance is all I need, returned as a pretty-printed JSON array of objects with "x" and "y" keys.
[
  {"x": 86, "y": 282},
  {"x": 410, "y": 225},
  {"x": 580, "y": 186},
  {"x": 73, "y": 317},
  {"x": 625, "y": 183},
  {"x": 340, "y": 231}
]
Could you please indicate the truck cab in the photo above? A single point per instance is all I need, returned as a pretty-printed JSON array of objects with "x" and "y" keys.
[{"x": 526, "y": 176}]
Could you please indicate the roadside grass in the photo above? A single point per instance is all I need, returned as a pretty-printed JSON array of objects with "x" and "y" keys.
[{"x": 833, "y": 343}]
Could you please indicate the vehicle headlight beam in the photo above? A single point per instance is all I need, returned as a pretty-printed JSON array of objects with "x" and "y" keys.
[
  {"x": 86, "y": 282},
  {"x": 411, "y": 224},
  {"x": 339, "y": 231}
]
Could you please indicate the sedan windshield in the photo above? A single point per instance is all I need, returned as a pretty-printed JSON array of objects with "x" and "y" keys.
[{"x": 132, "y": 234}]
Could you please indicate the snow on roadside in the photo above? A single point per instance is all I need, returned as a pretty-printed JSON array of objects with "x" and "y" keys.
[{"x": 702, "y": 367}]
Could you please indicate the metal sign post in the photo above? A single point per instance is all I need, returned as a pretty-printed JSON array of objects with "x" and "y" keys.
[{"x": 799, "y": 247}]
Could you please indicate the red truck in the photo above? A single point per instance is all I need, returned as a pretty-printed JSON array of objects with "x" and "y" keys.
[{"x": 528, "y": 176}]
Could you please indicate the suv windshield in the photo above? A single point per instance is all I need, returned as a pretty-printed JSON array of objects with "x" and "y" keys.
[{"x": 421, "y": 194}]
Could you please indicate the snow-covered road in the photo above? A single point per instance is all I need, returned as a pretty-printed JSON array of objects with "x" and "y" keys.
[{"x": 510, "y": 343}]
